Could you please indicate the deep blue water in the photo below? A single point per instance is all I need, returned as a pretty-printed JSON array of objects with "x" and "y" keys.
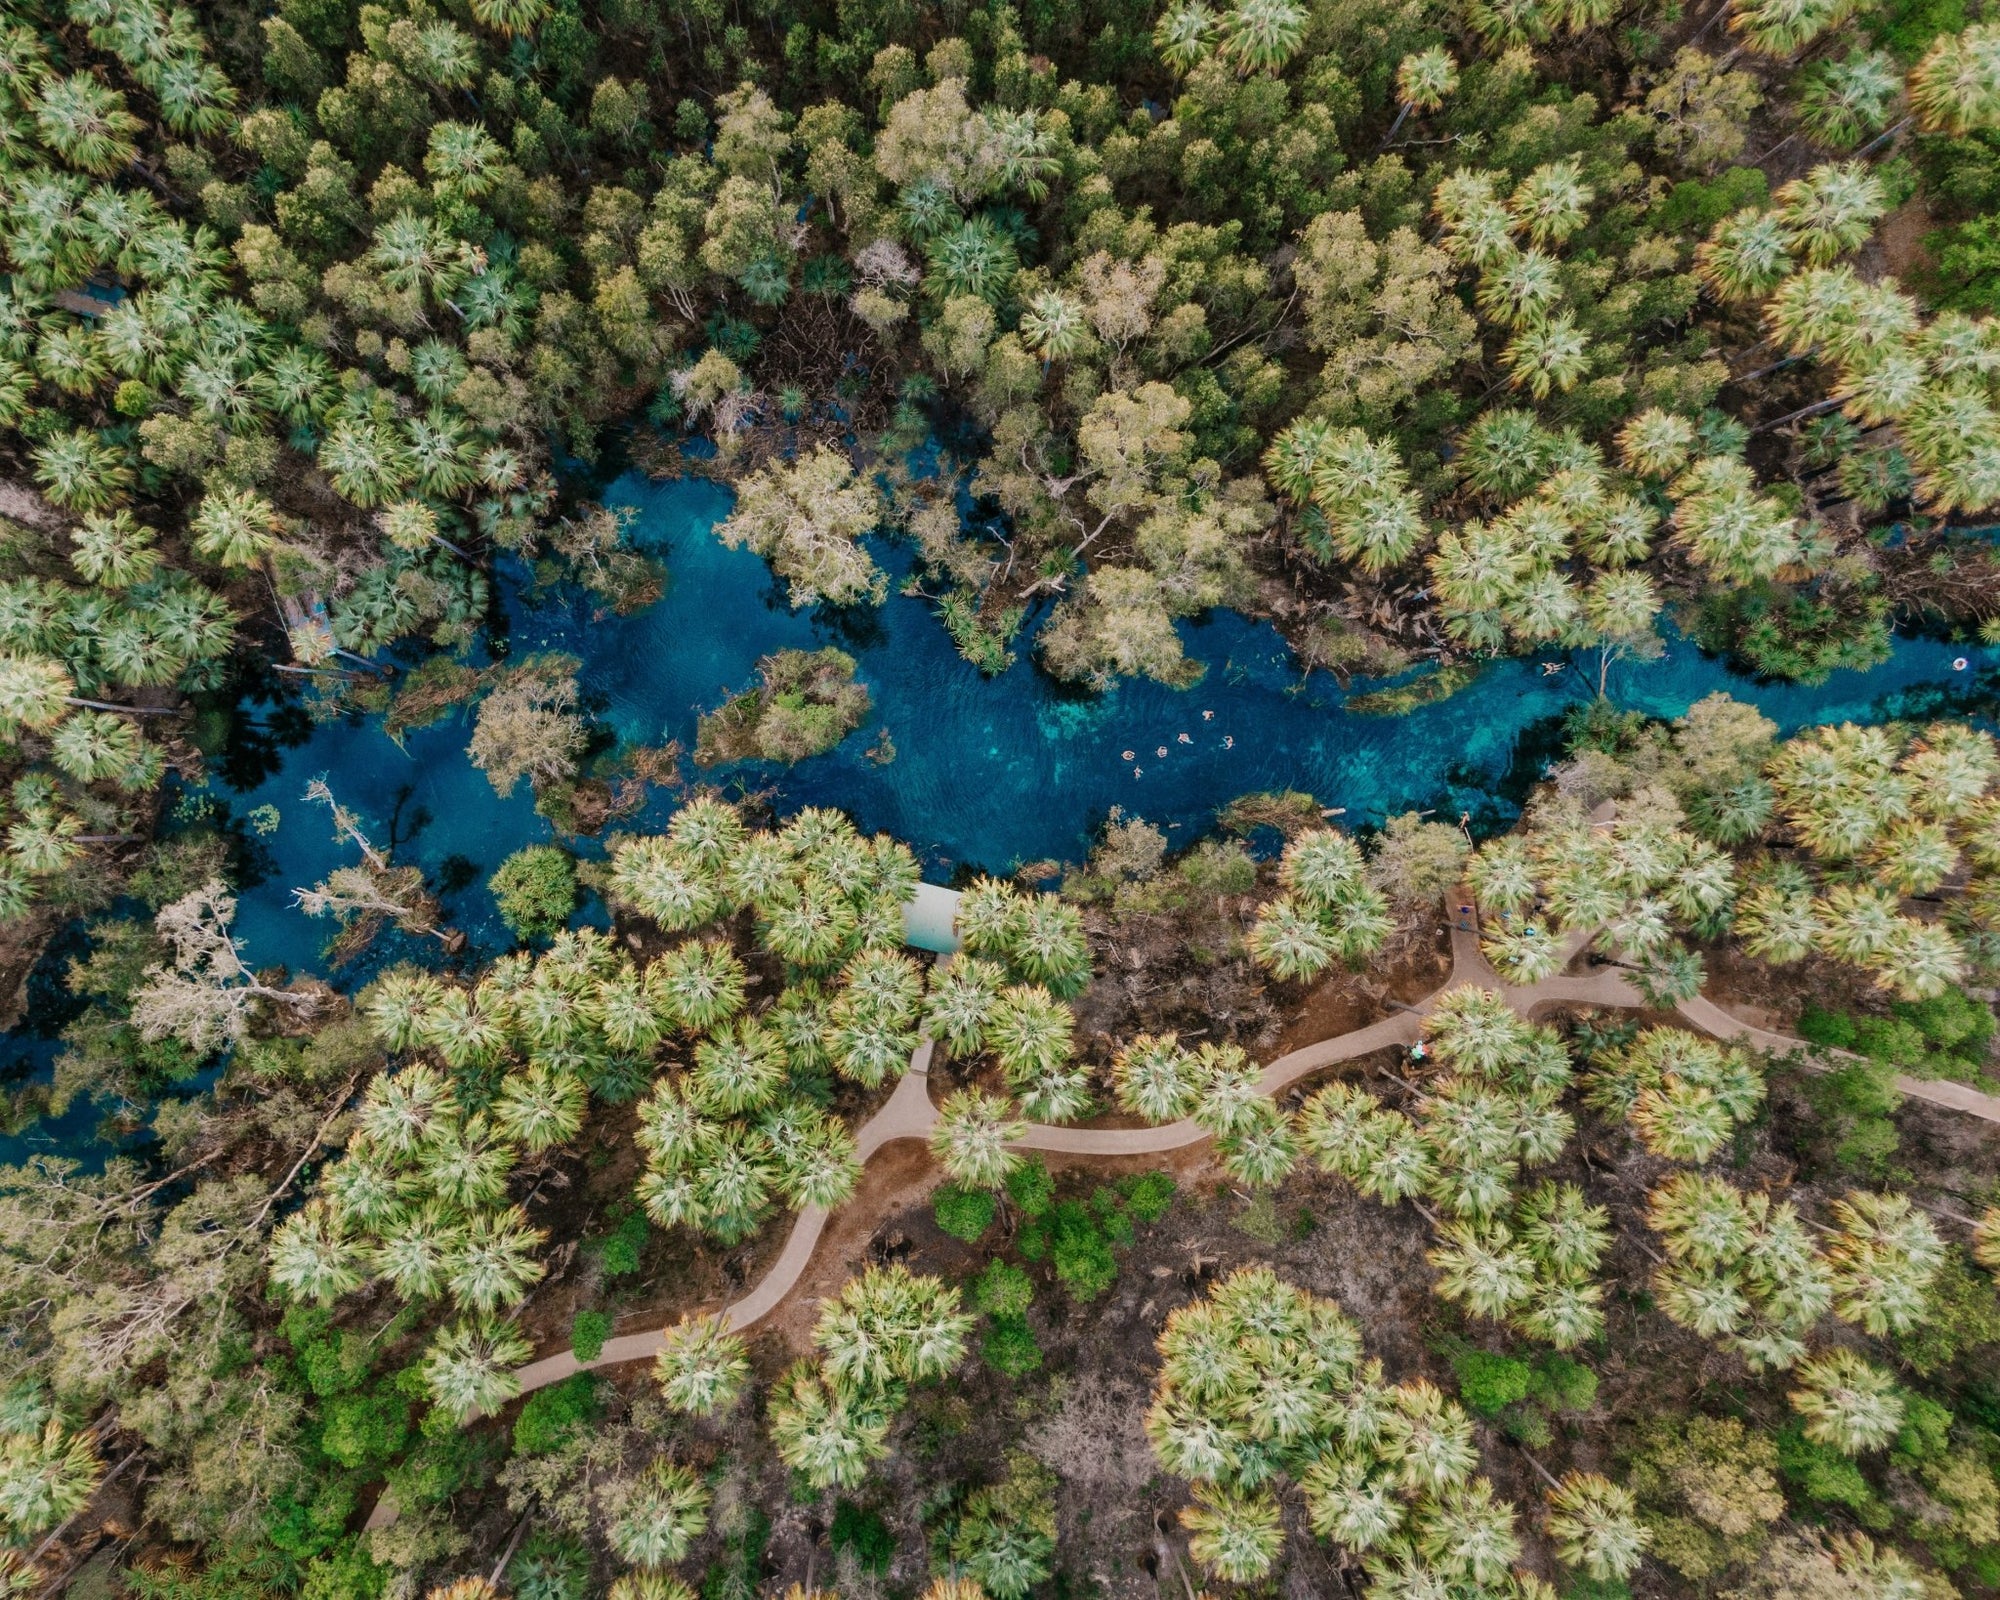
[{"x": 987, "y": 772}]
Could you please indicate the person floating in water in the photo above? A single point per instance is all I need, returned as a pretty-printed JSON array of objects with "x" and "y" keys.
[
  {"x": 1129, "y": 754},
  {"x": 1208, "y": 716},
  {"x": 1161, "y": 752},
  {"x": 1551, "y": 668},
  {"x": 1138, "y": 772},
  {"x": 1182, "y": 738},
  {"x": 1228, "y": 742}
]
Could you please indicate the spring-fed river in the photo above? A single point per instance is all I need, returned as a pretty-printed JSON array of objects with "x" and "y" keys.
[{"x": 987, "y": 772}]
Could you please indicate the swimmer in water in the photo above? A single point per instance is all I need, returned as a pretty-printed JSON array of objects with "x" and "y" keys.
[
  {"x": 1182, "y": 738},
  {"x": 1130, "y": 754},
  {"x": 1161, "y": 752},
  {"x": 1960, "y": 664},
  {"x": 1138, "y": 772},
  {"x": 1228, "y": 742},
  {"x": 1208, "y": 716}
]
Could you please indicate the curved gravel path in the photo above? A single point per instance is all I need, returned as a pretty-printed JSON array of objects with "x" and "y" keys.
[{"x": 909, "y": 1114}]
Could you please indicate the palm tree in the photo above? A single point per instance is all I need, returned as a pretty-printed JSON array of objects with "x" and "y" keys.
[
  {"x": 1682, "y": 1121},
  {"x": 665, "y": 1586},
  {"x": 362, "y": 1188},
  {"x": 1030, "y": 1031},
  {"x": 657, "y": 1516},
  {"x": 1484, "y": 1267},
  {"x": 45, "y": 1477},
  {"x": 962, "y": 992},
  {"x": 975, "y": 258},
  {"x": 1986, "y": 1239},
  {"x": 824, "y": 1432},
  {"x": 1841, "y": 102},
  {"x": 1922, "y": 960},
  {"x": 1237, "y": 1537},
  {"x": 403, "y": 1112},
  {"x": 1425, "y": 79},
  {"x": 1468, "y": 1535},
  {"x": 87, "y": 124},
  {"x": 93, "y": 745},
  {"x": 462, "y": 156},
  {"x": 1500, "y": 875},
  {"x": 234, "y": 527},
  {"x": 466, "y": 1166},
  {"x": 673, "y": 885},
  {"x": 1701, "y": 1221},
  {"x": 1291, "y": 941},
  {"x": 1563, "y": 1231},
  {"x": 1552, "y": 202},
  {"x": 1744, "y": 257},
  {"x": 1262, "y": 35},
  {"x": 1955, "y": 89},
  {"x": 114, "y": 550},
  {"x": 412, "y": 1250},
  {"x": 1521, "y": 289},
  {"x": 312, "y": 1258},
  {"x": 490, "y": 1262},
  {"x": 79, "y": 471},
  {"x": 1832, "y": 211},
  {"x": 1152, "y": 1079},
  {"x": 1292, "y": 459},
  {"x": 1848, "y": 1403},
  {"x": 1884, "y": 1260},
  {"x": 1595, "y": 1526},
  {"x": 1053, "y": 325},
  {"x": 970, "y": 1139},
  {"x": 1785, "y": 27},
  {"x": 702, "y": 1365},
  {"x": 1427, "y": 1438},
  {"x": 469, "y": 1367},
  {"x": 1228, "y": 1086},
  {"x": 1565, "y": 1315},
  {"x": 698, "y": 984},
  {"x": 1259, "y": 1150},
  {"x": 737, "y": 1069},
  {"x": 1321, "y": 866},
  {"x": 1049, "y": 946},
  {"x": 1527, "y": 956},
  {"x": 1184, "y": 35},
  {"x": 1351, "y": 1503}
]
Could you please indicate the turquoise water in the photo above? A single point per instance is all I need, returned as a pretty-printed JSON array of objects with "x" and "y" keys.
[{"x": 988, "y": 773}]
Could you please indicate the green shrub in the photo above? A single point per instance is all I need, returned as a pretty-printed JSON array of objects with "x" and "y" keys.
[
  {"x": 1031, "y": 1187},
  {"x": 1010, "y": 1348},
  {"x": 550, "y": 1414},
  {"x": 1489, "y": 1383},
  {"x": 363, "y": 1430},
  {"x": 1149, "y": 1195},
  {"x": 1003, "y": 1290},
  {"x": 963, "y": 1213},
  {"x": 1563, "y": 1384},
  {"x": 587, "y": 1333},
  {"x": 1694, "y": 207},
  {"x": 1528, "y": 1426},
  {"x": 865, "y": 1536},
  {"x": 1962, "y": 1314},
  {"x": 1080, "y": 1251},
  {"x": 1820, "y": 1472},
  {"x": 535, "y": 889},
  {"x": 619, "y": 1251},
  {"x": 1926, "y": 1431}
]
